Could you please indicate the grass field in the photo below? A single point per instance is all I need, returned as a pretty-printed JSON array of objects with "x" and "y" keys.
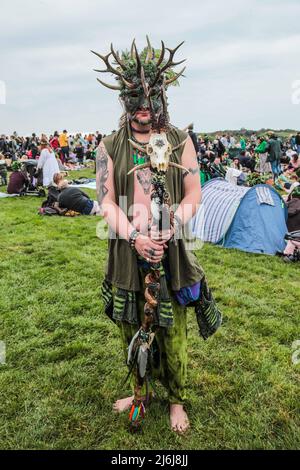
[{"x": 64, "y": 362}]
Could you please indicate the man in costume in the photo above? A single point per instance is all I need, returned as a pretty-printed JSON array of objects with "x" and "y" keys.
[{"x": 149, "y": 188}]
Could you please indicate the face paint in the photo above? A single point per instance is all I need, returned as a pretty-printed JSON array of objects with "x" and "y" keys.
[
  {"x": 142, "y": 80},
  {"x": 135, "y": 100}
]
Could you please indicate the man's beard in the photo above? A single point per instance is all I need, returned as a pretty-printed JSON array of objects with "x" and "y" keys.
[{"x": 140, "y": 121}]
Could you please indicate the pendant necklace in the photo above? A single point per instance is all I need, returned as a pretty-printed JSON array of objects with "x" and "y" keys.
[{"x": 139, "y": 158}]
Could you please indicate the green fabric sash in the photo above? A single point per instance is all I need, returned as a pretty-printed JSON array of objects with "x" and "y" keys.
[{"x": 121, "y": 305}]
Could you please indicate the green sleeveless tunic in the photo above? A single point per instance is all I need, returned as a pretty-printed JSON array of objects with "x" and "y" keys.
[{"x": 122, "y": 268}]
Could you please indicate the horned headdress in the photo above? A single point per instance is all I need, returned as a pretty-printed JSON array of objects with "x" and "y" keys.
[{"x": 143, "y": 77}]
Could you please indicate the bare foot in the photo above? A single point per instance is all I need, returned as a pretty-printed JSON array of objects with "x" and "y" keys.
[
  {"x": 179, "y": 419},
  {"x": 123, "y": 405},
  {"x": 126, "y": 403}
]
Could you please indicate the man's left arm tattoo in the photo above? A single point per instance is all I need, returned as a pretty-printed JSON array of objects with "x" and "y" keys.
[{"x": 192, "y": 171}]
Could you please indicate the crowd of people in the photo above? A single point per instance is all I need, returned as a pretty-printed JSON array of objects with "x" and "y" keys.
[
  {"x": 253, "y": 160},
  {"x": 36, "y": 163},
  {"x": 68, "y": 147},
  {"x": 53, "y": 154},
  {"x": 269, "y": 156},
  {"x": 274, "y": 160},
  {"x": 265, "y": 155}
]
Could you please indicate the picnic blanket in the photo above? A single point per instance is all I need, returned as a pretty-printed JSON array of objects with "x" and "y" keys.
[
  {"x": 91, "y": 185},
  {"x": 5, "y": 195}
]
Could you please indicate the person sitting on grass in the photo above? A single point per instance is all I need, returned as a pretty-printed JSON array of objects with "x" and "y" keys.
[
  {"x": 79, "y": 152},
  {"x": 247, "y": 161},
  {"x": 235, "y": 164},
  {"x": 294, "y": 165},
  {"x": 74, "y": 199},
  {"x": 217, "y": 168},
  {"x": 286, "y": 182},
  {"x": 18, "y": 180}
]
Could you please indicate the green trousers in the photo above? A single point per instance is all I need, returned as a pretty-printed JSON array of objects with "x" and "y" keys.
[{"x": 172, "y": 351}]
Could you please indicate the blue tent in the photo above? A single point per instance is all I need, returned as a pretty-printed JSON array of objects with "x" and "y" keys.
[{"x": 248, "y": 219}]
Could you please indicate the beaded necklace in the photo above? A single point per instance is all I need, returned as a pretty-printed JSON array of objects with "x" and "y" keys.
[{"x": 139, "y": 158}]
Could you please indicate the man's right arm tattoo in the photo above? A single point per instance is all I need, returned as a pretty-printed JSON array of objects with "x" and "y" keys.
[{"x": 102, "y": 173}]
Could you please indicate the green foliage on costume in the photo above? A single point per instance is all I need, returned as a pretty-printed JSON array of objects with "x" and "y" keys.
[
  {"x": 16, "y": 166},
  {"x": 150, "y": 68}
]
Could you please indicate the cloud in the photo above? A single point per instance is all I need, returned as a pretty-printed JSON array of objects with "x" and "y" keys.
[
  {"x": 242, "y": 61},
  {"x": 272, "y": 52}
]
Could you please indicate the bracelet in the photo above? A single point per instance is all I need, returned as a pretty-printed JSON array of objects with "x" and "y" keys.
[{"x": 132, "y": 239}]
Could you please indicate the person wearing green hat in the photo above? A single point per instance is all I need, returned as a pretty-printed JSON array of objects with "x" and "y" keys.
[{"x": 18, "y": 179}]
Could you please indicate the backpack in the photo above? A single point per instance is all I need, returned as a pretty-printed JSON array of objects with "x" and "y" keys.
[
  {"x": 47, "y": 211},
  {"x": 53, "y": 194}
]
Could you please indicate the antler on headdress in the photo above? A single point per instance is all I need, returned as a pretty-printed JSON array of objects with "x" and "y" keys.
[
  {"x": 117, "y": 58},
  {"x": 173, "y": 79},
  {"x": 169, "y": 64},
  {"x": 162, "y": 54},
  {"x": 149, "y": 52},
  {"x": 132, "y": 50},
  {"x": 144, "y": 83},
  {"x": 109, "y": 68},
  {"x": 120, "y": 72},
  {"x": 112, "y": 87},
  {"x": 138, "y": 60}
]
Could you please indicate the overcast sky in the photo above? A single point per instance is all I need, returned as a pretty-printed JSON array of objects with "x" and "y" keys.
[{"x": 243, "y": 61}]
